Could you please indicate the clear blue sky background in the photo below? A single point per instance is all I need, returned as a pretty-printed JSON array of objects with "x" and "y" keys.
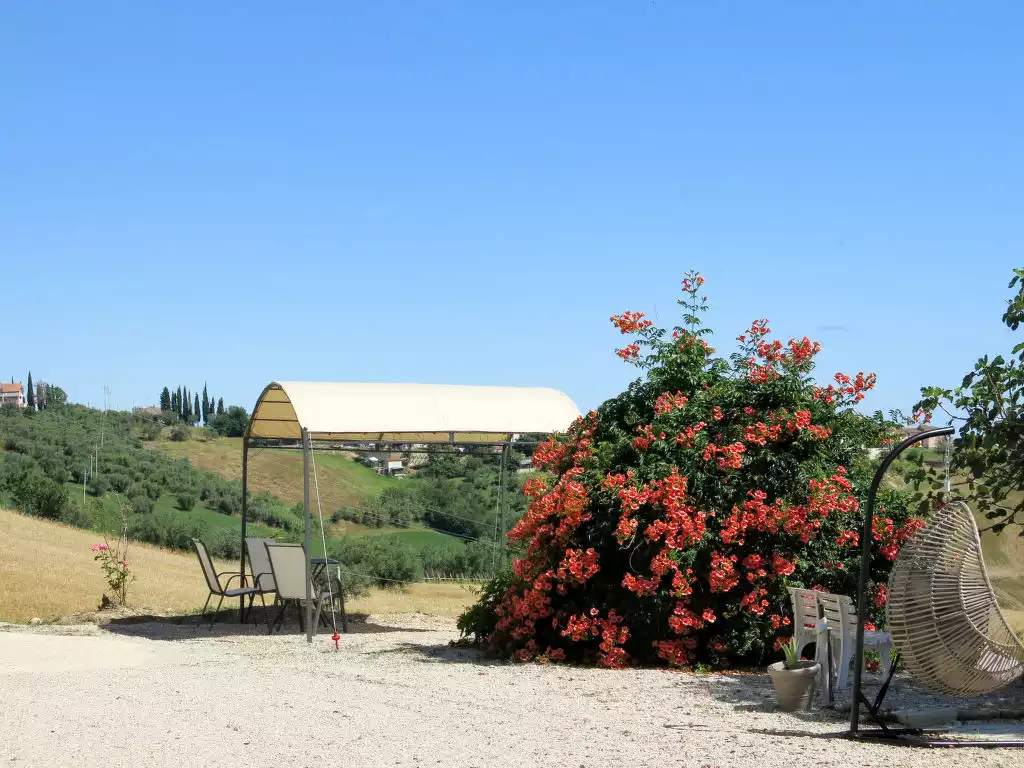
[{"x": 464, "y": 192}]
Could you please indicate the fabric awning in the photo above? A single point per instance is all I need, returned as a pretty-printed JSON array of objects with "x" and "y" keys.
[{"x": 407, "y": 413}]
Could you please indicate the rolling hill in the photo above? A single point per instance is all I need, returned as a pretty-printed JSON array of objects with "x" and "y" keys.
[{"x": 343, "y": 482}]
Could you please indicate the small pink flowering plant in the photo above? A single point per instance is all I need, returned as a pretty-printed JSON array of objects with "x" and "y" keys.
[{"x": 114, "y": 562}]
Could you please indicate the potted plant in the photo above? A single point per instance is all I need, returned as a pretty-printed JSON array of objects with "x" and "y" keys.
[{"x": 794, "y": 680}]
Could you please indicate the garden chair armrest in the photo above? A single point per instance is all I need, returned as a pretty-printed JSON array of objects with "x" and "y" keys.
[{"x": 232, "y": 576}]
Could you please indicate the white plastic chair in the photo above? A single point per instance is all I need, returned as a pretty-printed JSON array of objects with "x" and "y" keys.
[
  {"x": 841, "y": 615},
  {"x": 805, "y": 617}
]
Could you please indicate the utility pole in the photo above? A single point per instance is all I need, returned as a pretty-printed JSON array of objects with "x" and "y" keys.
[{"x": 106, "y": 404}]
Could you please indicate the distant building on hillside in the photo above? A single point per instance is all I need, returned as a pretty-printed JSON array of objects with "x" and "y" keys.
[
  {"x": 152, "y": 410},
  {"x": 12, "y": 393},
  {"x": 938, "y": 442},
  {"x": 395, "y": 468}
]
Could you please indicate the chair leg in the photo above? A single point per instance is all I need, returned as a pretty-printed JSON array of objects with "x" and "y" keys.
[
  {"x": 248, "y": 613},
  {"x": 344, "y": 618},
  {"x": 845, "y": 655},
  {"x": 886, "y": 652},
  {"x": 214, "y": 617},
  {"x": 280, "y": 616},
  {"x": 316, "y": 617},
  {"x": 202, "y": 613},
  {"x": 253, "y": 614}
]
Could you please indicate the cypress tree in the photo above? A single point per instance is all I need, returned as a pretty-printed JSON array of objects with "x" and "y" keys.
[
  {"x": 220, "y": 406},
  {"x": 165, "y": 399},
  {"x": 186, "y": 406},
  {"x": 195, "y": 413},
  {"x": 177, "y": 405},
  {"x": 31, "y": 393},
  {"x": 206, "y": 404}
]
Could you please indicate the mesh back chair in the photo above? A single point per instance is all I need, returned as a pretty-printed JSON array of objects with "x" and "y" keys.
[
  {"x": 942, "y": 611},
  {"x": 259, "y": 566},
  {"x": 288, "y": 566},
  {"x": 215, "y": 586}
]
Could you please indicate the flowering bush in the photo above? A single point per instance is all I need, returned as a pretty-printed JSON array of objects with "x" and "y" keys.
[
  {"x": 114, "y": 562},
  {"x": 672, "y": 519}
]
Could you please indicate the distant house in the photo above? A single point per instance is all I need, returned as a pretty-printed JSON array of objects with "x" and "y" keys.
[
  {"x": 525, "y": 465},
  {"x": 395, "y": 468},
  {"x": 938, "y": 442},
  {"x": 13, "y": 394},
  {"x": 151, "y": 410}
]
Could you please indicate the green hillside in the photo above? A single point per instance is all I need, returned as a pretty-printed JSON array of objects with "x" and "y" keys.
[
  {"x": 343, "y": 482},
  {"x": 95, "y": 470}
]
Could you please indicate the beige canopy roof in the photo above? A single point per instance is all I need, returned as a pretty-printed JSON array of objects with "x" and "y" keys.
[{"x": 407, "y": 413}]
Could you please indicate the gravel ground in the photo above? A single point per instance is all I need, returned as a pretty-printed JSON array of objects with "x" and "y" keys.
[{"x": 396, "y": 694}]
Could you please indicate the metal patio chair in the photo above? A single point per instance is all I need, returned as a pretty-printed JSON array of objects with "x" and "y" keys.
[
  {"x": 288, "y": 566},
  {"x": 259, "y": 566},
  {"x": 215, "y": 586}
]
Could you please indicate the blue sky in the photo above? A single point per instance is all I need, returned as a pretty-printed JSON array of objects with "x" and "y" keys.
[{"x": 463, "y": 192}]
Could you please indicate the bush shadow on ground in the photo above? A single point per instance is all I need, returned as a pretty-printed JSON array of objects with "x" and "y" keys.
[
  {"x": 446, "y": 653},
  {"x": 190, "y": 626}
]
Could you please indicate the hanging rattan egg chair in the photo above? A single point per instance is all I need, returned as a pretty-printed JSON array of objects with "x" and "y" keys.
[{"x": 942, "y": 611}]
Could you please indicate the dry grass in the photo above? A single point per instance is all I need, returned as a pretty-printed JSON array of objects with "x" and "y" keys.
[
  {"x": 47, "y": 571},
  {"x": 448, "y": 600}
]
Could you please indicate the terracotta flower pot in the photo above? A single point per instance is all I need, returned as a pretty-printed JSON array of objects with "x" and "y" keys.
[{"x": 794, "y": 688}]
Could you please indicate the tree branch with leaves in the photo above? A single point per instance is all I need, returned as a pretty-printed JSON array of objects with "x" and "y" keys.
[{"x": 988, "y": 409}]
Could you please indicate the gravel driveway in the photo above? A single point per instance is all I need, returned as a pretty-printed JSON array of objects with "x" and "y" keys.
[{"x": 156, "y": 694}]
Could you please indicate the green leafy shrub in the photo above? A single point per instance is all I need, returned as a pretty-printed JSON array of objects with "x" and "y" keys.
[
  {"x": 186, "y": 501},
  {"x": 140, "y": 502},
  {"x": 480, "y": 620},
  {"x": 180, "y": 433},
  {"x": 382, "y": 561},
  {"x": 98, "y": 485},
  {"x": 77, "y": 515},
  {"x": 224, "y": 544},
  {"x": 150, "y": 430}
]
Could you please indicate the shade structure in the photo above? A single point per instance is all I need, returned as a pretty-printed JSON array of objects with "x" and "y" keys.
[
  {"x": 407, "y": 413},
  {"x": 394, "y": 413}
]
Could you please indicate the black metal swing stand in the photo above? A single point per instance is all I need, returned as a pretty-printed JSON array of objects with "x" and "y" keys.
[{"x": 883, "y": 733}]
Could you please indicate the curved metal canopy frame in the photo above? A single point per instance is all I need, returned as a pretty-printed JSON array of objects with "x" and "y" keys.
[{"x": 295, "y": 414}]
